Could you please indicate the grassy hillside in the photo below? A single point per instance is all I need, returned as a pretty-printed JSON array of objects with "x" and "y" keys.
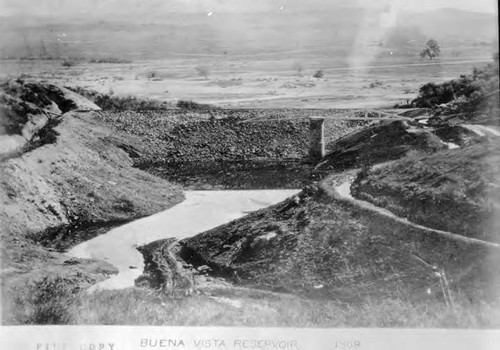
[
  {"x": 378, "y": 142},
  {"x": 455, "y": 190}
]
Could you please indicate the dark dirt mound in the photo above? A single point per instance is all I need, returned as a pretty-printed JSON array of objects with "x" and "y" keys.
[
  {"x": 384, "y": 141},
  {"x": 163, "y": 271}
]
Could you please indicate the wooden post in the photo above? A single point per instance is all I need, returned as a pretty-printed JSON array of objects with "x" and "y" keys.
[{"x": 316, "y": 138}]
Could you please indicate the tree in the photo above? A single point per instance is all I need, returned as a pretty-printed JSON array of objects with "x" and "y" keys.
[
  {"x": 469, "y": 95},
  {"x": 319, "y": 74},
  {"x": 431, "y": 49},
  {"x": 203, "y": 71}
]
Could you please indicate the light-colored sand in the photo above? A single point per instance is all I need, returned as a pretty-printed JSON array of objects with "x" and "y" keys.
[
  {"x": 256, "y": 81},
  {"x": 201, "y": 211},
  {"x": 450, "y": 145},
  {"x": 11, "y": 143}
]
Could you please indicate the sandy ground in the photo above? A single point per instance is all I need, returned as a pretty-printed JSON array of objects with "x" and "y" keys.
[
  {"x": 261, "y": 82},
  {"x": 201, "y": 211},
  {"x": 10, "y": 143}
]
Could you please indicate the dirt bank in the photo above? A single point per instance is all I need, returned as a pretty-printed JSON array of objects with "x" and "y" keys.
[
  {"x": 82, "y": 179},
  {"x": 78, "y": 181},
  {"x": 379, "y": 142},
  {"x": 28, "y": 112}
]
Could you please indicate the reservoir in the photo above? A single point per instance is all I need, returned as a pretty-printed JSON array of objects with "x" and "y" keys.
[{"x": 199, "y": 212}]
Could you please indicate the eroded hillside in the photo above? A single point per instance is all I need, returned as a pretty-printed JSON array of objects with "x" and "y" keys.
[{"x": 320, "y": 252}]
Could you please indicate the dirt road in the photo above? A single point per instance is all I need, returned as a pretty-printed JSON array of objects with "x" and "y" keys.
[{"x": 344, "y": 191}]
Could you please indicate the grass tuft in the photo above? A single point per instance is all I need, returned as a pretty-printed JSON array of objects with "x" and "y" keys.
[{"x": 139, "y": 307}]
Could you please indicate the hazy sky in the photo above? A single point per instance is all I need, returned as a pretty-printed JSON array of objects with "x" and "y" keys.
[{"x": 134, "y": 7}]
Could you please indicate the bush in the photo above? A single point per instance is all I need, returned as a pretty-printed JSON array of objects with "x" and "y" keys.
[
  {"x": 69, "y": 63},
  {"x": 109, "y": 60},
  {"x": 319, "y": 74},
  {"x": 432, "y": 95},
  {"x": 43, "y": 301},
  {"x": 193, "y": 105},
  {"x": 152, "y": 75},
  {"x": 469, "y": 95},
  {"x": 120, "y": 103},
  {"x": 375, "y": 84}
]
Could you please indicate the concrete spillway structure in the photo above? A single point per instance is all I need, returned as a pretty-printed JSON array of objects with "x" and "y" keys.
[{"x": 316, "y": 138}]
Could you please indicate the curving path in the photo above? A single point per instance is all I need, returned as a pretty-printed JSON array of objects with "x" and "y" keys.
[{"x": 344, "y": 191}]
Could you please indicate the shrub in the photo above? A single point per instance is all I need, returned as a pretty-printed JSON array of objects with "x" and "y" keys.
[
  {"x": 152, "y": 75},
  {"x": 44, "y": 301},
  {"x": 375, "y": 84},
  {"x": 109, "y": 60},
  {"x": 193, "y": 105},
  {"x": 469, "y": 95},
  {"x": 69, "y": 63},
  {"x": 120, "y": 103},
  {"x": 431, "y": 94},
  {"x": 319, "y": 74}
]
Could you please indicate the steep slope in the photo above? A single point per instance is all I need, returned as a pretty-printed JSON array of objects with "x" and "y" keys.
[
  {"x": 318, "y": 245},
  {"x": 60, "y": 193},
  {"x": 379, "y": 142}
]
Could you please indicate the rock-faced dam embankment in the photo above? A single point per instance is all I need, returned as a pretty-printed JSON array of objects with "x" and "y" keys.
[{"x": 224, "y": 149}]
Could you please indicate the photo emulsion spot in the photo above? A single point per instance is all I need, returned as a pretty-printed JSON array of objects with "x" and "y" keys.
[{"x": 249, "y": 174}]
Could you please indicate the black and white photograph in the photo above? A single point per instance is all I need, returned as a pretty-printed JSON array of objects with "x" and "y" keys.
[{"x": 269, "y": 169}]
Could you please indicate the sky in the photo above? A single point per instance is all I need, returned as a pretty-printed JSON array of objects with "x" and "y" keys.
[{"x": 56, "y": 8}]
